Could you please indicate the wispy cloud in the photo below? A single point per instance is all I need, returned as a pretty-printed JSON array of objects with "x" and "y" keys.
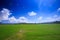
[
  {"x": 40, "y": 18},
  {"x": 46, "y": 3},
  {"x": 55, "y": 16},
  {"x": 58, "y": 9},
  {"x": 49, "y": 19}
]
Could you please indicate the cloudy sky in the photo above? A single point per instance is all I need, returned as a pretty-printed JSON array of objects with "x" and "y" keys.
[{"x": 29, "y": 11}]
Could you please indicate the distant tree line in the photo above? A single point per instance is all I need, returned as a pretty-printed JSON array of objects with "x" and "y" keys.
[{"x": 55, "y": 22}]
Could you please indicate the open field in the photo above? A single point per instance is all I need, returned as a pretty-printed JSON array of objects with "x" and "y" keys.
[{"x": 30, "y": 32}]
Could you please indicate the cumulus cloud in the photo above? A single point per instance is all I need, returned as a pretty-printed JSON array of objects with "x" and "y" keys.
[
  {"x": 19, "y": 20},
  {"x": 32, "y": 13},
  {"x": 4, "y": 14},
  {"x": 22, "y": 20},
  {"x": 13, "y": 20}
]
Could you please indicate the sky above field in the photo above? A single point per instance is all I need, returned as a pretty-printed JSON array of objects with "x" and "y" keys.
[{"x": 29, "y": 11}]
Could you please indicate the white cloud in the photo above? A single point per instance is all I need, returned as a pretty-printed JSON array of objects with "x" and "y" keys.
[
  {"x": 19, "y": 20},
  {"x": 22, "y": 20},
  {"x": 13, "y": 19},
  {"x": 58, "y": 9},
  {"x": 48, "y": 19},
  {"x": 58, "y": 19},
  {"x": 40, "y": 18},
  {"x": 4, "y": 14},
  {"x": 32, "y": 13},
  {"x": 55, "y": 16}
]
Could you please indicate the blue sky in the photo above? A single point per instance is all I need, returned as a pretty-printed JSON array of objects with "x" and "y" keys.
[{"x": 29, "y": 11}]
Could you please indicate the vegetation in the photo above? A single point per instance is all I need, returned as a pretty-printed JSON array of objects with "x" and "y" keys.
[{"x": 30, "y": 32}]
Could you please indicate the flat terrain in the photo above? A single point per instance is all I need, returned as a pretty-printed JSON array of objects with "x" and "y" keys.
[{"x": 30, "y": 32}]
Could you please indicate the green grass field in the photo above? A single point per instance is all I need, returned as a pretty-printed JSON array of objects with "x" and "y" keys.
[{"x": 30, "y": 32}]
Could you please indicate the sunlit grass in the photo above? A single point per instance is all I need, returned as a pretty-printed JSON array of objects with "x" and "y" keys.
[{"x": 30, "y": 32}]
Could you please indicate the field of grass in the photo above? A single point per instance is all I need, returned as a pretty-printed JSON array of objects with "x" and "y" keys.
[{"x": 30, "y": 32}]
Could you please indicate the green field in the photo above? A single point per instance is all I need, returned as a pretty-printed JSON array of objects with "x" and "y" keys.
[{"x": 30, "y": 32}]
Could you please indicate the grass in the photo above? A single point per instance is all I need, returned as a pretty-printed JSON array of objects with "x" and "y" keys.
[{"x": 30, "y": 32}]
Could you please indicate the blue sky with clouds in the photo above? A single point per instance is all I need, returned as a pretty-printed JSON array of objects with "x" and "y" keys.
[{"x": 29, "y": 11}]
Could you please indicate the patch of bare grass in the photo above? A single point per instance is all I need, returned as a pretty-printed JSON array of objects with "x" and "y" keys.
[{"x": 18, "y": 36}]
